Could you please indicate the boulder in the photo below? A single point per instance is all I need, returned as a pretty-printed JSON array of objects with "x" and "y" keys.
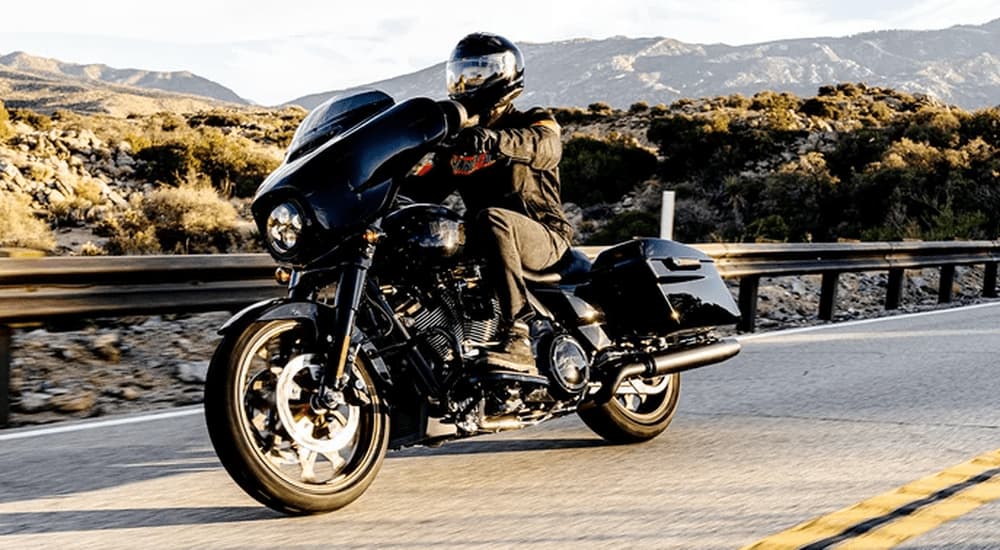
[{"x": 192, "y": 372}]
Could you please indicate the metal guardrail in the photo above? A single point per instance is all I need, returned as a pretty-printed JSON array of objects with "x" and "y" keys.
[{"x": 52, "y": 289}]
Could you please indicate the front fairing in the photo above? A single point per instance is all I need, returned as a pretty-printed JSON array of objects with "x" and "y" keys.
[{"x": 351, "y": 180}]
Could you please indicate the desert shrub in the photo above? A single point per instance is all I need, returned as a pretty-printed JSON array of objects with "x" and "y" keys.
[
  {"x": 638, "y": 107},
  {"x": 168, "y": 162},
  {"x": 791, "y": 203},
  {"x": 603, "y": 170},
  {"x": 938, "y": 127},
  {"x": 984, "y": 124},
  {"x": 129, "y": 233},
  {"x": 234, "y": 164},
  {"x": 90, "y": 249},
  {"x": 659, "y": 109},
  {"x": 90, "y": 190},
  {"x": 220, "y": 119},
  {"x": 5, "y": 130},
  {"x": 600, "y": 108},
  {"x": 856, "y": 149},
  {"x": 191, "y": 219},
  {"x": 779, "y": 109},
  {"x": 20, "y": 227},
  {"x": 168, "y": 122},
  {"x": 830, "y": 108},
  {"x": 37, "y": 121},
  {"x": 737, "y": 102}
]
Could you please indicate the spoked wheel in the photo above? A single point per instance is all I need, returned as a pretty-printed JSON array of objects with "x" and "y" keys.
[
  {"x": 287, "y": 441},
  {"x": 640, "y": 410}
]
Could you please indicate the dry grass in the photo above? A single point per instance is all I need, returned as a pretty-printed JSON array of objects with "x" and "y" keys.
[{"x": 19, "y": 227}]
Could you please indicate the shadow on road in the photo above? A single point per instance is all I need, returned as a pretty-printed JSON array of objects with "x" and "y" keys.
[
  {"x": 128, "y": 518},
  {"x": 48, "y": 472},
  {"x": 490, "y": 446}
]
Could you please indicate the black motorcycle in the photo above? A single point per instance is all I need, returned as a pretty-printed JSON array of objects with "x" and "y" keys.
[{"x": 377, "y": 344}]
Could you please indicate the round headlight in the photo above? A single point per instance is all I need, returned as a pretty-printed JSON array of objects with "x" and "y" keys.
[{"x": 284, "y": 226}]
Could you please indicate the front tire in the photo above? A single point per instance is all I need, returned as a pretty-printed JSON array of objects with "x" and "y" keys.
[
  {"x": 640, "y": 410},
  {"x": 282, "y": 444}
]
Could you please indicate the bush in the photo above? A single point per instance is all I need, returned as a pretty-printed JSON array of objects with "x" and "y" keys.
[
  {"x": 37, "y": 121},
  {"x": 600, "y": 108},
  {"x": 5, "y": 130},
  {"x": 935, "y": 126},
  {"x": 129, "y": 233},
  {"x": 603, "y": 170},
  {"x": 20, "y": 227},
  {"x": 191, "y": 219},
  {"x": 234, "y": 164},
  {"x": 638, "y": 107}
]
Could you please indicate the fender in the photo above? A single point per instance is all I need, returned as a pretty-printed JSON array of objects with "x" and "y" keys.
[{"x": 315, "y": 314}]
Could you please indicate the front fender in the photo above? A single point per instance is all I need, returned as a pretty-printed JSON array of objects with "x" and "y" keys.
[{"x": 318, "y": 315}]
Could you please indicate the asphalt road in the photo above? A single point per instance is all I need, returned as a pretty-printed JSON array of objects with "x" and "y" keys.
[{"x": 800, "y": 425}]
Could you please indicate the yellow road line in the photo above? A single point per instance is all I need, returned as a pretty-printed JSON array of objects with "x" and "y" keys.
[{"x": 889, "y": 519}]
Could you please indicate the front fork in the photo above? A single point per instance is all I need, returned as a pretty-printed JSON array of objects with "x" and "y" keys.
[{"x": 348, "y": 295}]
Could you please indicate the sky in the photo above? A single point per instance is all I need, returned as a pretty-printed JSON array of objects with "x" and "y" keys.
[{"x": 272, "y": 52}]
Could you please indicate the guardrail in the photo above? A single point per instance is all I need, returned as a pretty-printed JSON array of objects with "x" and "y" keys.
[{"x": 70, "y": 288}]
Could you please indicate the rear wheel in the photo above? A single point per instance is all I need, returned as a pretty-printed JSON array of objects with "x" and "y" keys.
[
  {"x": 640, "y": 410},
  {"x": 285, "y": 440}
]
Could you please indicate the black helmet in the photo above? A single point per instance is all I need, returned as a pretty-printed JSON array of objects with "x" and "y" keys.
[{"x": 485, "y": 72}]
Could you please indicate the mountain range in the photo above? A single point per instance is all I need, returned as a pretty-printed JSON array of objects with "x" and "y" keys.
[
  {"x": 959, "y": 65},
  {"x": 47, "y": 84}
]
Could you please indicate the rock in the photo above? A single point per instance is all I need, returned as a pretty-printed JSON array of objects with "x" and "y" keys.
[
  {"x": 192, "y": 372},
  {"x": 65, "y": 353},
  {"x": 107, "y": 346},
  {"x": 74, "y": 402},
  {"x": 190, "y": 397},
  {"x": 130, "y": 393},
  {"x": 33, "y": 402}
]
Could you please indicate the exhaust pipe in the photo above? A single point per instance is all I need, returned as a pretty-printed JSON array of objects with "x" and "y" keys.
[{"x": 669, "y": 362}]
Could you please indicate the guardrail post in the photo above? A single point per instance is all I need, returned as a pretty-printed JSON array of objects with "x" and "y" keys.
[
  {"x": 990, "y": 280},
  {"x": 5, "y": 340},
  {"x": 945, "y": 290},
  {"x": 828, "y": 295},
  {"x": 748, "y": 303},
  {"x": 894, "y": 289}
]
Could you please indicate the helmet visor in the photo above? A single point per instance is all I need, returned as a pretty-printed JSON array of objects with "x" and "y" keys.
[{"x": 468, "y": 74}]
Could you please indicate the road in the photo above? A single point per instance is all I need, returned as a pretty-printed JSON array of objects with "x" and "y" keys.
[{"x": 801, "y": 424}]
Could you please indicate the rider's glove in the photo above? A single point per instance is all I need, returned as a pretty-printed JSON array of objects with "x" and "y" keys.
[{"x": 477, "y": 140}]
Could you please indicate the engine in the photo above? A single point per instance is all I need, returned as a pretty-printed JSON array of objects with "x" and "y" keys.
[{"x": 453, "y": 317}]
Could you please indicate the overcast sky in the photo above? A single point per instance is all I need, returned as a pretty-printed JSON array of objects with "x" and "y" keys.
[{"x": 274, "y": 51}]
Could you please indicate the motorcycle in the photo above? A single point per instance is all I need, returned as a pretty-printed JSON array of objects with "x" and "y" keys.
[{"x": 376, "y": 345}]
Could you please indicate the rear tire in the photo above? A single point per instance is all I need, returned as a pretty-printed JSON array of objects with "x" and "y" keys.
[
  {"x": 640, "y": 410},
  {"x": 274, "y": 441}
]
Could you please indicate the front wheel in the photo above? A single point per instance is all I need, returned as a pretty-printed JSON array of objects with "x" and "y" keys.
[
  {"x": 640, "y": 410},
  {"x": 288, "y": 443}
]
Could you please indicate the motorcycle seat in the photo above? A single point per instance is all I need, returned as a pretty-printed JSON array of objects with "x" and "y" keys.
[{"x": 572, "y": 268}]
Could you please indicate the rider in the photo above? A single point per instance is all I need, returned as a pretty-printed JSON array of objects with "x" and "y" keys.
[{"x": 506, "y": 170}]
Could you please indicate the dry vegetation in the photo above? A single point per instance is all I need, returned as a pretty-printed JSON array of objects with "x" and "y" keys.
[{"x": 853, "y": 162}]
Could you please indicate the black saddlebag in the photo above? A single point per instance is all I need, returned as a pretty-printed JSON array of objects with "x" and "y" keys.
[{"x": 656, "y": 287}]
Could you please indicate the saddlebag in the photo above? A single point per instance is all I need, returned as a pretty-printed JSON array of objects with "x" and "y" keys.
[{"x": 654, "y": 287}]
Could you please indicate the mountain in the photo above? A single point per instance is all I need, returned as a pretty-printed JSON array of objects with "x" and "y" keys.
[
  {"x": 181, "y": 82},
  {"x": 46, "y": 85},
  {"x": 959, "y": 65}
]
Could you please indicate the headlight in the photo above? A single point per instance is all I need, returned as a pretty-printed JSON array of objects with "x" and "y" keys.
[{"x": 284, "y": 226}]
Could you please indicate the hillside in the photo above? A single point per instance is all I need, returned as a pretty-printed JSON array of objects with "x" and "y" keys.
[
  {"x": 47, "y": 85},
  {"x": 851, "y": 162},
  {"x": 959, "y": 66}
]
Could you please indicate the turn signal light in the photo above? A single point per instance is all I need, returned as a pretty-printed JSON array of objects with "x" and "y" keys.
[
  {"x": 283, "y": 275},
  {"x": 371, "y": 236}
]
